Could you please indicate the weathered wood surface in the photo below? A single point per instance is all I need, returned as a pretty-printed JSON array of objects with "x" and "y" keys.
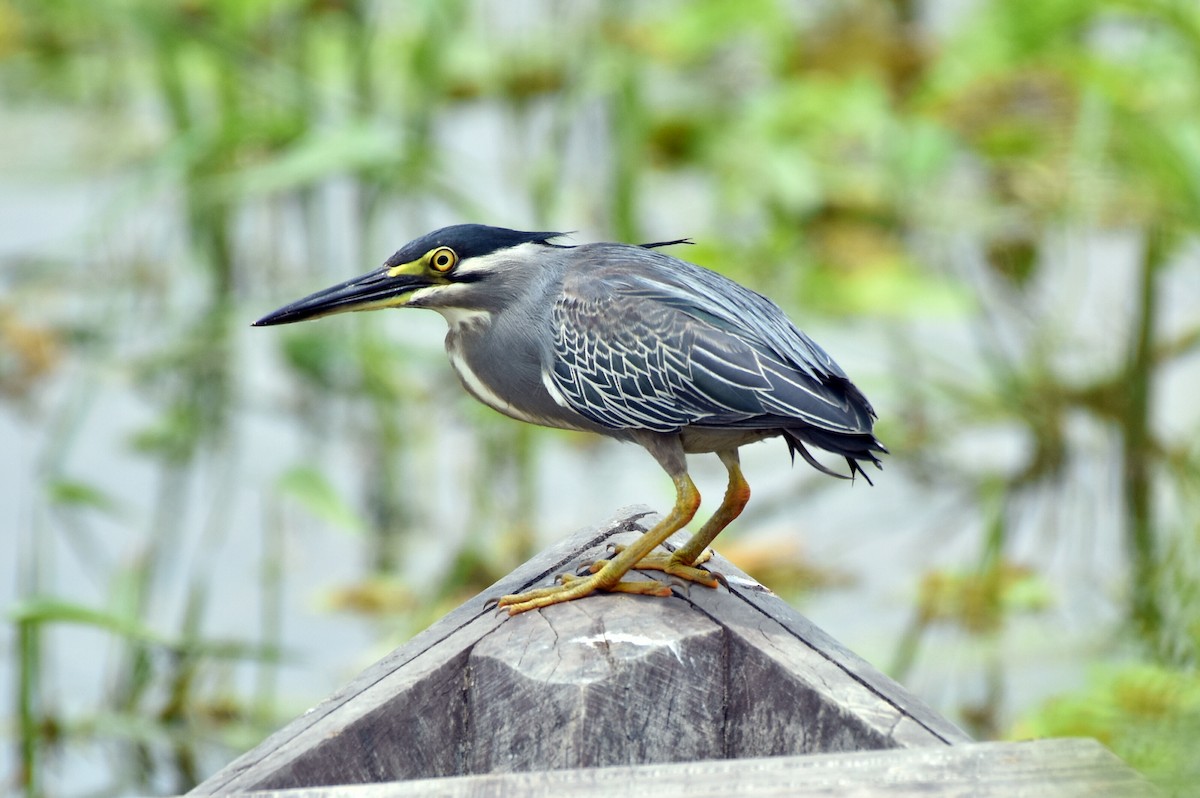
[
  {"x": 1045, "y": 768},
  {"x": 608, "y": 680}
]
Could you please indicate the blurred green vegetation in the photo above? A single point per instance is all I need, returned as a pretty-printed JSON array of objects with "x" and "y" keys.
[
  {"x": 1149, "y": 713},
  {"x": 885, "y": 165}
]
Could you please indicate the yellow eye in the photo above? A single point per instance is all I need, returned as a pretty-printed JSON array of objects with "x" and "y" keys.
[{"x": 443, "y": 259}]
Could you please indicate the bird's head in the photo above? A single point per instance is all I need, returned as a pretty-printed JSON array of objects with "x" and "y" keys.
[{"x": 452, "y": 269}]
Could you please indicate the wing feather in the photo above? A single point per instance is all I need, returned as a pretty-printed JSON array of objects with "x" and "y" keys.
[{"x": 659, "y": 349}]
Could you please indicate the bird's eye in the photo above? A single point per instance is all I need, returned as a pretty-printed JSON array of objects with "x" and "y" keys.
[{"x": 443, "y": 259}]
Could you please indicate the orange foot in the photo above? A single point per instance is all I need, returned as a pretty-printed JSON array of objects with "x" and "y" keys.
[
  {"x": 668, "y": 565},
  {"x": 574, "y": 587}
]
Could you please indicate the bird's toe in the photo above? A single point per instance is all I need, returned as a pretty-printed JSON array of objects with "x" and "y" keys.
[{"x": 690, "y": 573}]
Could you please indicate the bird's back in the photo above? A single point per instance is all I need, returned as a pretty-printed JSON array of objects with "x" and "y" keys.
[{"x": 646, "y": 341}]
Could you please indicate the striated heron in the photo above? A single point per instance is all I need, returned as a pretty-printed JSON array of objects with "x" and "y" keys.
[{"x": 628, "y": 342}]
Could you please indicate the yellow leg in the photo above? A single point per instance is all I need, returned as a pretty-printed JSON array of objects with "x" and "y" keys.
[
  {"x": 737, "y": 494},
  {"x": 608, "y": 577},
  {"x": 683, "y": 562}
]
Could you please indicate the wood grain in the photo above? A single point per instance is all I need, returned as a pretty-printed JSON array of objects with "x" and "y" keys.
[
  {"x": 609, "y": 680},
  {"x": 1043, "y": 768}
]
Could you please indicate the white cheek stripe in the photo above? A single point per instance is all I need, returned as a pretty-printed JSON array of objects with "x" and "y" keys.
[
  {"x": 421, "y": 293},
  {"x": 484, "y": 264}
]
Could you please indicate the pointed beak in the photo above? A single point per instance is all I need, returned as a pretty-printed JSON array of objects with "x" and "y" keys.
[{"x": 381, "y": 288}]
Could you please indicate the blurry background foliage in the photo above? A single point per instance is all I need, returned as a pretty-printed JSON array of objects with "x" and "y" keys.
[{"x": 987, "y": 210}]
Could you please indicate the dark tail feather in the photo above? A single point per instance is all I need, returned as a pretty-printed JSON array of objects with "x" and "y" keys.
[{"x": 855, "y": 447}]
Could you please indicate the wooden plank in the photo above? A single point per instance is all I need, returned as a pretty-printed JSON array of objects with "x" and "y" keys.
[
  {"x": 920, "y": 721},
  {"x": 763, "y": 625},
  {"x": 277, "y": 758},
  {"x": 597, "y": 682},
  {"x": 1051, "y": 768},
  {"x": 612, "y": 679}
]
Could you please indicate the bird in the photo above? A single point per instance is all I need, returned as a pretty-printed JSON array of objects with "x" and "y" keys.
[{"x": 628, "y": 342}]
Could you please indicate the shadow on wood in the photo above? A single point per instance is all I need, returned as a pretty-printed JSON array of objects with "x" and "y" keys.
[{"x": 609, "y": 680}]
